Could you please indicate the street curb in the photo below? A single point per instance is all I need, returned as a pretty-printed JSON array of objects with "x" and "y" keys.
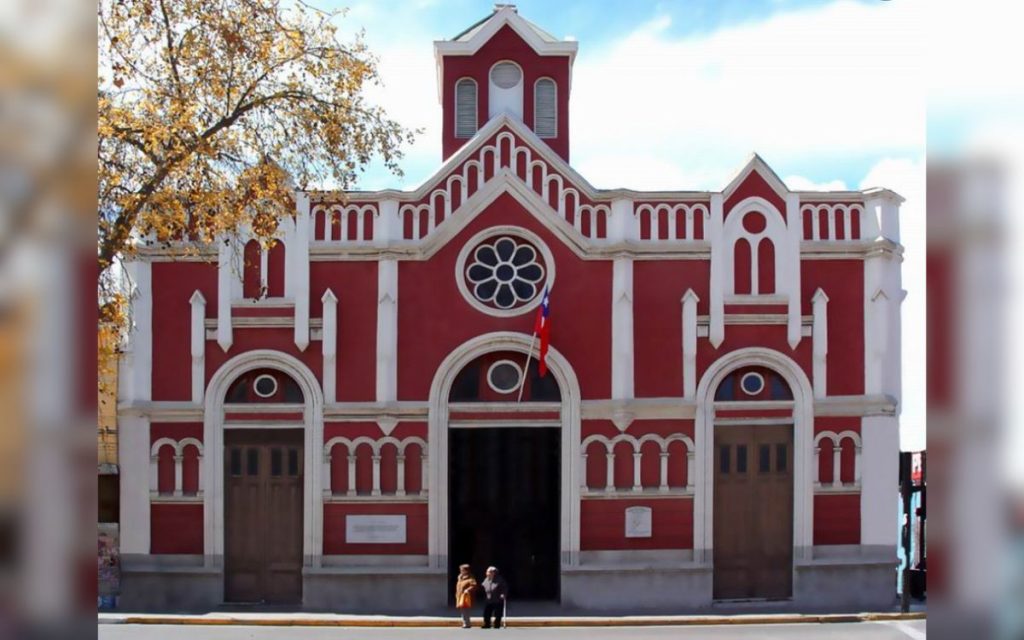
[{"x": 521, "y": 622}]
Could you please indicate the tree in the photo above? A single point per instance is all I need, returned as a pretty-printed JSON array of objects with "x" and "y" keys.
[{"x": 211, "y": 112}]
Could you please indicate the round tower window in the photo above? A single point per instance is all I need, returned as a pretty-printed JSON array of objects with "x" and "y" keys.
[
  {"x": 506, "y": 75},
  {"x": 504, "y": 376},
  {"x": 265, "y": 386}
]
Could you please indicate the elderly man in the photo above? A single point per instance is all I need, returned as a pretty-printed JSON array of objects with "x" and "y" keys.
[{"x": 495, "y": 592}]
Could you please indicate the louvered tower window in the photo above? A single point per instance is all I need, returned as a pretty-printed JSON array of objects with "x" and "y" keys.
[
  {"x": 545, "y": 117},
  {"x": 465, "y": 108}
]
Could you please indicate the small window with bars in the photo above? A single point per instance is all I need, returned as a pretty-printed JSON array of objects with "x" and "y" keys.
[
  {"x": 545, "y": 108},
  {"x": 465, "y": 108}
]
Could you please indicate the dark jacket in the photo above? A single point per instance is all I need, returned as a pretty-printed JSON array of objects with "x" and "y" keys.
[{"x": 494, "y": 588}]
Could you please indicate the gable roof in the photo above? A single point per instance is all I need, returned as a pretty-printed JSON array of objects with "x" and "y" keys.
[{"x": 756, "y": 163}]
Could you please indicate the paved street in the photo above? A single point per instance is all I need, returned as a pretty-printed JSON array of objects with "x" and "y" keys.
[{"x": 896, "y": 630}]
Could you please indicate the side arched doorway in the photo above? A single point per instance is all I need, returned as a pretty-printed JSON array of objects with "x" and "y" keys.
[
  {"x": 754, "y": 510},
  {"x": 504, "y": 477},
  {"x": 264, "y": 425}
]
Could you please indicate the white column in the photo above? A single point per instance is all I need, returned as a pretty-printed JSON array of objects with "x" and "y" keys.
[
  {"x": 787, "y": 257},
  {"x": 376, "y": 475},
  {"x": 609, "y": 480},
  {"x": 424, "y": 469},
  {"x": 298, "y": 264},
  {"x": 816, "y": 471},
  {"x": 716, "y": 332},
  {"x": 400, "y": 483},
  {"x": 264, "y": 268},
  {"x": 133, "y": 441},
  {"x": 154, "y": 474},
  {"x": 388, "y": 225},
  {"x": 351, "y": 475},
  {"x": 870, "y": 226},
  {"x": 622, "y": 328},
  {"x": 178, "y": 484},
  {"x": 880, "y": 483},
  {"x": 636, "y": 471},
  {"x": 200, "y": 478},
  {"x": 690, "y": 470},
  {"x": 329, "y": 344},
  {"x": 622, "y": 225},
  {"x": 837, "y": 461},
  {"x": 663, "y": 482},
  {"x": 857, "y": 452},
  {"x": 198, "y": 303},
  {"x": 326, "y": 473},
  {"x": 820, "y": 342},
  {"x": 583, "y": 472},
  {"x": 387, "y": 330},
  {"x": 690, "y": 301},
  {"x": 229, "y": 284}
]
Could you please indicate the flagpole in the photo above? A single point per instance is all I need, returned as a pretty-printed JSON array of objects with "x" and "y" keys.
[{"x": 526, "y": 369}]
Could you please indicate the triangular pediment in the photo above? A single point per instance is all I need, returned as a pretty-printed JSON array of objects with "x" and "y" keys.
[
  {"x": 756, "y": 164},
  {"x": 471, "y": 40}
]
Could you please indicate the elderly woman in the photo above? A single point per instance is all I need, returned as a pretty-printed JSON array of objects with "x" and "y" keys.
[
  {"x": 465, "y": 585},
  {"x": 495, "y": 593}
]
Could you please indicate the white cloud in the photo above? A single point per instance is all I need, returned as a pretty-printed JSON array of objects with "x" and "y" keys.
[
  {"x": 800, "y": 183},
  {"x": 835, "y": 80}
]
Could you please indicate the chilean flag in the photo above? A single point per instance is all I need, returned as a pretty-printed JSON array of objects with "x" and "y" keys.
[{"x": 542, "y": 327}]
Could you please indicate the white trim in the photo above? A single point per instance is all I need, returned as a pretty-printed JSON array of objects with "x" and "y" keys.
[
  {"x": 622, "y": 329},
  {"x": 819, "y": 336},
  {"x": 297, "y": 271},
  {"x": 663, "y": 443},
  {"x": 213, "y": 462},
  {"x": 519, "y": 380},
  {"x": 505, "y": 100},
  {"x": 803, "y": 427},
  {"x": 437, "y": 440},
  {"x": 387, "y": 330},
  {"x": 721, "y": 272},
  {"x": 329, "y": 344},
  {"x": 689, "y": 302},
  {"x": 837, "y": 455},
  {"x": 229, "y": 287},
  {"x": 493, "y": 232},
  {"x": 790, "y": 277}
]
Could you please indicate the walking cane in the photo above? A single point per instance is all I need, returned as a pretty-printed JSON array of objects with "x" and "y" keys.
[{"x": 504, "y": 612}]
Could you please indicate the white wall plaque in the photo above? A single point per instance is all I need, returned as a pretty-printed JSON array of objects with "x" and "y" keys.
[
  {"x": 638, "y": 522},
  {"x": 375, "y": 529}
]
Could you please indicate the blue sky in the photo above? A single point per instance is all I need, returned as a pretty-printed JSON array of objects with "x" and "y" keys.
[{"x": 676, "y": 95}]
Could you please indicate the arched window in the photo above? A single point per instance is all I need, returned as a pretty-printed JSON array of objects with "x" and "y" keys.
[
  {"x": 275, "y": 270},
  {"x": 465, "y": 108},
  {"x": 252, "y": 281},
  {"x": 545, "y": 110}
]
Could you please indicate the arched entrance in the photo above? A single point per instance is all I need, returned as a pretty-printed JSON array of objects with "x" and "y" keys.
[
  {"x": 503, "y": 489},
  {"x": 263, "y": 427},
  {"x": 754, "y": 448}
]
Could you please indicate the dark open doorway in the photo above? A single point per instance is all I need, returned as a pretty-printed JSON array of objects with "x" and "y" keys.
[{"x": 504, "y": 492}]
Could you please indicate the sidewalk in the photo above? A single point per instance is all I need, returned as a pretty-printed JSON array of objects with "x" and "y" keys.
[{"x": 302, "y": 619}]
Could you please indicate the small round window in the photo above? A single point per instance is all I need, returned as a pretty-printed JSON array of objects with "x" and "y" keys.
[
  {"x": 506, "y": 75},
  {"x": 504, "y": 376},
  {"x": 752, "y": 384},
  {"x": 265, "y": 386}
]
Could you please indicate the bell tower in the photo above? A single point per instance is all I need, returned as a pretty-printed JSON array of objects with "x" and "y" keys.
[{"x": 504, "y": 65}]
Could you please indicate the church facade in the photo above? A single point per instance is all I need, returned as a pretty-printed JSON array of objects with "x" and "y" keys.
[{"x": 340, "y": 420}]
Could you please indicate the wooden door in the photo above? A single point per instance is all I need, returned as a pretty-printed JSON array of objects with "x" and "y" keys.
[
  {"x": 263, "y": 515},
  {"x": 753, "y": 511}
]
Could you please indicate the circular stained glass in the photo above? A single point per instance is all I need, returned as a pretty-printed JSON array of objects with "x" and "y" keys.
[
  {"x": 505, "y": 272},
  {"x": 504, "y": 376},
  {"x": 265, "y": 386},
  {"x": 752, "y": 384}
]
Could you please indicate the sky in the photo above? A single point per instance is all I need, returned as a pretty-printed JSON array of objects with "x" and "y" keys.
[{"x": 830, "y": 93}]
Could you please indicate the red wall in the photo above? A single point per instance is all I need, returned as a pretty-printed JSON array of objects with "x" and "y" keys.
[
  {"x": 434, "y": 318},
  {"x": 415, "y": 534},
  {"x": 173, "y": 286},
  {"x": 505, "y": 45},
  {"x": 603, "y": 524},
  {"x": 754, "y": 185},
  {"x": 843, "y": 283},
  {"x": 176, "y": 528},
  {"x": 837, "y": 519},
  {"x": 658, "y": 288},
  {"x": 355, "y": 286}
]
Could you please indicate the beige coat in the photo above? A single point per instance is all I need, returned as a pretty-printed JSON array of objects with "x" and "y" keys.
[{"x": 465, "y": 585}]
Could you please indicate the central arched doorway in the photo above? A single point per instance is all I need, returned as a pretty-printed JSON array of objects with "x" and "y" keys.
[
  {"x": 535, "y": 443},
  {"x": 504, "y": 468}
]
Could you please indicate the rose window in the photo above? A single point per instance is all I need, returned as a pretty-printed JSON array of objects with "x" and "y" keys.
[{"x": 505, "y": 273}]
